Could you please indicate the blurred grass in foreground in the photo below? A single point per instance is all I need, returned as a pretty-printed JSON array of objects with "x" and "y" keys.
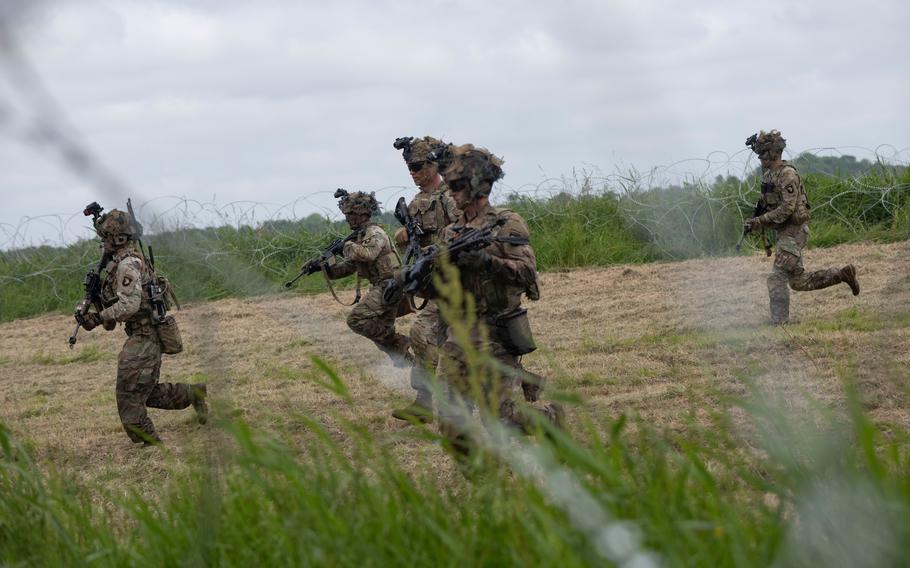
[{"x": 825, "y": 490}]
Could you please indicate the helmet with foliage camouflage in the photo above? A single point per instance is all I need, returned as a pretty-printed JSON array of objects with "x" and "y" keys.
[
  {"x": 766, "y": 141},
  {"x": 118, "y": 226},
  {"x": 416, "y": 150},
  {"x": 358, "y": 202},
  {"x": 476, "y": 166}
]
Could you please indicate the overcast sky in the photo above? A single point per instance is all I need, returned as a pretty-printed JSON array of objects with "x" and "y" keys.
[{"x": 281, "y": 102}]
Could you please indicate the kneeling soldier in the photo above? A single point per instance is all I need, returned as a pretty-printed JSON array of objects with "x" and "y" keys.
[
  {"x": 372, "y": 257},
  {"x": 433, "y": 209},
  {"x": 497, "y": 277}
]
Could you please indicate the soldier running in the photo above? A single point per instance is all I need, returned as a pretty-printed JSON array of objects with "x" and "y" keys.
[
  {"x": 125, "y": 299},
  {"x": 433, "y": 208},
  {"x": 787, "y": 212}
]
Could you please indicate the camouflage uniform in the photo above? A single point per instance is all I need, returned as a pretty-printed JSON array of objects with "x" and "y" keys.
[
  {"x": 433, "y": 210},
  {"x": 125, "y": 300},
  {"x": 372, "y": 257},
  {"x": 497, "y": 277},
  {"x": 787, "y": 212}
]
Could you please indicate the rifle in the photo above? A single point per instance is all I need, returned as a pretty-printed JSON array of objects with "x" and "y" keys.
[
  {"x": 92, "y": 281},
  {"x": 411, "y": 227},
  {"x": 155, "y": 290},
  {"x": 416, "y": 276},
  {"x": 759, "y": 210},
  {"x": 314, "y": 265}
]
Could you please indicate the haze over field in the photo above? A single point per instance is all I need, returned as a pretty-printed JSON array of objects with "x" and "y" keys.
[{"x": 278, "y": 101}]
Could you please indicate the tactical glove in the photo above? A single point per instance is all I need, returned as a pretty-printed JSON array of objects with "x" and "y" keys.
[
  {"x": 752, "y": 224},
  {"x": 475, "y": 260},
  {"x": 91, "y": 320}
]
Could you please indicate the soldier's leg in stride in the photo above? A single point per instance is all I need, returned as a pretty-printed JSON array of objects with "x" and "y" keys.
[
  {"x": 456, "y": 408},
  {"x": 137, "y": 374},
  {"x": 779, "y": 295},
  {"x": 426, "y": 337},
  {"x": 824, "y": 278},
  {"x": 374, "y": 320},
  {"x": 177, "y": 396},
  {"x": 512, "y": 412}
]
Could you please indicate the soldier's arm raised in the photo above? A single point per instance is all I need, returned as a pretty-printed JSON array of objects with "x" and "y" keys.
[
  {"x": 129, "y": 291},
  {"x": 788, "y": 181},
  {"x": 513, "y": 263},
  {"x": 374, "y": 241},
  {"x": 340, "y": 270}
]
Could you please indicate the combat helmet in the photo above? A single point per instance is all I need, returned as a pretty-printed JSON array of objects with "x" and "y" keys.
[
  {"x": 766, "y": 141},
  {"x": 478, "y": 166},
  {"x": 358, "y": 202},
  {"x": 418, "y": 150},
  {"x": 117, "y": 226}
]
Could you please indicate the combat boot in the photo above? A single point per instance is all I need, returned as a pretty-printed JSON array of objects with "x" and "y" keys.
[
  {"x": 199, "y": 393},
  {"x": 848, "y": 276},
  {"x": 420, "y": 410}
]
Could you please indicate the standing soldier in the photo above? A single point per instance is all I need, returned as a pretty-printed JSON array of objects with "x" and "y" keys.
[
  {"x": 433, "y": 209},
  {"x": 125, "y": 298},
  {"x": 372, "y": 257},
  {"x": 497, "y": 277},
  {"x": 786, "y": 206}
]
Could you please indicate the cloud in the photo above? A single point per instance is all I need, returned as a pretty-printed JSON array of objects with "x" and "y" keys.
[{"x": 277, "y": 100}]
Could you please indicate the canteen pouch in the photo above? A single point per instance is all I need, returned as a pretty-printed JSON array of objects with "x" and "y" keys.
[
  {"x": 169, "y": 336},
  {"x": 513, "y": 330}
]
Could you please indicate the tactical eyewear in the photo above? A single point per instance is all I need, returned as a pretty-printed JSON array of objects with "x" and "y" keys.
[{"x": 416, "y": 166}]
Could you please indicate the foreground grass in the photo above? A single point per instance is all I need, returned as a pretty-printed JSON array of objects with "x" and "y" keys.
[
  {"x": 817, "y": 492},
  {"x": 746, "y": 476}
]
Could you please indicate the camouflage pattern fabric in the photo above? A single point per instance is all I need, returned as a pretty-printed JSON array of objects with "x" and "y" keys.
[
  {"x": 359, "y": 202},
  {"x": 427, "y": 334},
  {"x": 421, "y": 149},
  {"x": 788, "y": 271},
  {"x": 139, "y": 364},
  {"x": 771, "y": 141},
  {"x": 453, "y": 373},
  {"x": 512, "y": 272},
  {"x": 374, "y": 320},
  {"x": 788, "y": 213},
  {"x": 513, "y": 269},
  {"x": 433, "y": 211},
  {"x": 371, "y": 256},
  {"x": 138, "y": 368},
  {"x": 787, "y": 203},
  {"x": 471, "y": 164}
]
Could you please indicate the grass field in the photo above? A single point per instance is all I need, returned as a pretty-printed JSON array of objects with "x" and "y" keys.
[{"x": 699, "y": 435}]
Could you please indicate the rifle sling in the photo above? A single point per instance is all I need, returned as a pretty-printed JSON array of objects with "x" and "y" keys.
[{"x": 328, "y": 281}]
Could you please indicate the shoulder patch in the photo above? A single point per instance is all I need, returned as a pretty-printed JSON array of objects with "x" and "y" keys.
[{"x": 127, "y": 280}]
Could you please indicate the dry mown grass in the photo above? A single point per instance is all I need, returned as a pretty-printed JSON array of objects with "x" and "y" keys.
[{"x": 663, "y": 341}]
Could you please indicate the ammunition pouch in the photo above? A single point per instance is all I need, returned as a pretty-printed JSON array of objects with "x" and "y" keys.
[
  {"x": 169, "y": 336},
  {"x": 141, "y": 327},
  {"x": 513, "y": 331}
]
